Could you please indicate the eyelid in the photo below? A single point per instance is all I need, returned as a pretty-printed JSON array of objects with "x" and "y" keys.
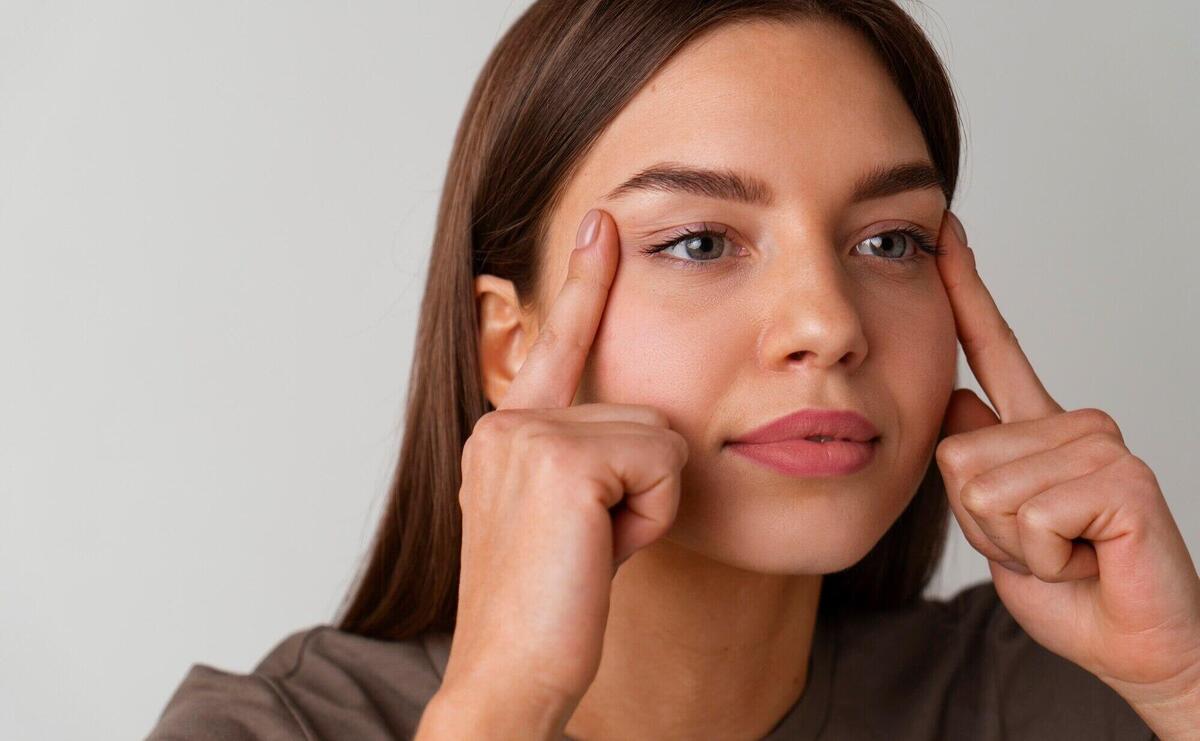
[
  {"x": 658, "y": 236},
  {"x": 673, "y": 236},
  {"x": 891, "y": 225}
]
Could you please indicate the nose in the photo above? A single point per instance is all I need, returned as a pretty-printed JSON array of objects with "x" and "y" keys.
[{"x": 811, "y": 318}]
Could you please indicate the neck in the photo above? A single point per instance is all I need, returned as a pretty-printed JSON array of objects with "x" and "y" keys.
[{"x": 695, "y": 648}]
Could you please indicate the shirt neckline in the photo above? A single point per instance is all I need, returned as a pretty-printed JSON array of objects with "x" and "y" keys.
[
  {"x": 802, "y": 722},
  {"x": 806, "y": 718}
]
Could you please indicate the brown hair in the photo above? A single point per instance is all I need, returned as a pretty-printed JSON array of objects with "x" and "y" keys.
[{"x": 559, "y": 75}]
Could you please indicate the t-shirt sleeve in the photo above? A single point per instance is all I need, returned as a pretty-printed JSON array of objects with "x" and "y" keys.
[
  {"x": 213, "y": 704},
  {"x": 1043, "y": 694},
  {"x": 318, "y": 684}
]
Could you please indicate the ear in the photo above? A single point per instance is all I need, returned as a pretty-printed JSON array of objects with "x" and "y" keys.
[{"x": 505, "y": 334}]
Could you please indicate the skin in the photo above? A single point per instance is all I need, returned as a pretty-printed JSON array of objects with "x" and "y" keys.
[{"x": 710, "y": 628}]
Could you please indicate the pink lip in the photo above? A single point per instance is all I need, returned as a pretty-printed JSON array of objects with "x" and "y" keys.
[
  {"x": 805, "y": 458},
  {"x": 780, "y": 445},
  {"x": 842, "y": 424}
]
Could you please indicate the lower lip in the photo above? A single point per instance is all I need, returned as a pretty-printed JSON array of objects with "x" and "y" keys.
[{"x": 807, "y": 458}]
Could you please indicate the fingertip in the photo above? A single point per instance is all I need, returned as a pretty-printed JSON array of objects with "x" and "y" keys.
[
  {"x": 585, "y": 235},
  {"x": 952, "y": 240},
  {"x": 605, "y": 232},
  {"x": 957, "y": 226}
]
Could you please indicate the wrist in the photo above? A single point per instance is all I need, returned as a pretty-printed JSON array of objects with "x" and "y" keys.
[
  {"x": 493, "y": 712},
  {"x": 1172, "y": 716}
]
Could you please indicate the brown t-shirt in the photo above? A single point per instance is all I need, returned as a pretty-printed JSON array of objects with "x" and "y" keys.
[{"x": 960, "y": 668}]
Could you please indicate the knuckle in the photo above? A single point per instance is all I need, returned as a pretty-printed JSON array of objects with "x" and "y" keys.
[
  {"x": 951, "y": 454},
  {"x": 576, "y": 279},
  {"x": 555, "y": 453},
  {"x": 469, "y": 454},
  {"x": 534, "y": 435},
  {"x": 1099, "y": 420},
  {"x": 575, "y": 272},
  {"x": 470, "y": 451},
  {"x": 1101, "y": 447},
  {"x": 1138, "y": 470},
  {"x": 485, "y": 429},
  {"x": 578, "y": 271},
  {"x": 479, "y": 426},
  {"x": 491, "y": 424},
  {"x": 685, "y": 450},
  {"x": 655, "y": 416},
  {"x": 976, "y": 495},
  {"x": 1030, "y": 518},
  {"x": 674, "y": 448},
  {"x": 494, "y": 432}
]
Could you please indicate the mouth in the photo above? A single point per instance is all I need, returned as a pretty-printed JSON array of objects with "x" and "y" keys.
[
  {"x": 828, "y": 439},
  {"x": 804, "y": 457},
  {"x": 820, "y": 426}
]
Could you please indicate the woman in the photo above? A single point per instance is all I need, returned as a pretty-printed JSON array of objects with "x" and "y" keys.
[{"x": 605, "y": 493}]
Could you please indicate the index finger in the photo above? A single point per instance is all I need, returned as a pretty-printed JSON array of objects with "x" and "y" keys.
[
  {"x": 549, "y": 377},
  {"x": 990, "y": 345}
]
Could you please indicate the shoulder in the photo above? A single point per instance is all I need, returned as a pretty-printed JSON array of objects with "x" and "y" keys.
[
  {"x": 966, "y": 664},
  {"x": 315, "y": 683}
]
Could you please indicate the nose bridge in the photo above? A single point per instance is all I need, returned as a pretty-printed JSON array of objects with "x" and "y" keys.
[{"x": 811, "y": 316}]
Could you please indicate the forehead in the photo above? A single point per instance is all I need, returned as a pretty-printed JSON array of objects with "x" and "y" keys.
[{"x": 807, "y": 106}]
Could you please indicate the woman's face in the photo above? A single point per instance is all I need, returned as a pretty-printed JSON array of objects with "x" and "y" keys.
[{"x": 795, "y": 307}]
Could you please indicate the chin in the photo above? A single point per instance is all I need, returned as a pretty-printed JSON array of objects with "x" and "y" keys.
[{"x": 815, "y": 536}]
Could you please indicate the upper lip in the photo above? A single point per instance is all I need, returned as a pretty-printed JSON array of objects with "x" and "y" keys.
[{"x": 842, "y": 424}]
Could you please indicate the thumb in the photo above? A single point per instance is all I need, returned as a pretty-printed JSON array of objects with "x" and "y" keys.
[{"x": 967, "y": 412}]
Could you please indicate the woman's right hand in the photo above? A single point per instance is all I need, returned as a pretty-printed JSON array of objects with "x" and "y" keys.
[{"x": 554, "y": 497}]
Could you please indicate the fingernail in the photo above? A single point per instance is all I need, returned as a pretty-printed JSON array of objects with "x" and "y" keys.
[
  {"x": 1016, "y": 567},
  {"x": 958, "y": 227},
  {"x": 588, "y": 229}
]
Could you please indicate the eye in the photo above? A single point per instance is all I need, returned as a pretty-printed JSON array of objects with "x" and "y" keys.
[
  {"x": 692, "y": 248},
  {"x": 696, "y": 246},
  {"x": 898, "y": 239}
]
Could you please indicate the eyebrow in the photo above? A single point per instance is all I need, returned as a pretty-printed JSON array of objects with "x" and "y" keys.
[{"x": 730, "y": 185}]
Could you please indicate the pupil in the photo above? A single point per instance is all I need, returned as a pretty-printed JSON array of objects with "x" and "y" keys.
[
  {"x": 705, "y": 240},
  {"x": 893, "y": 241}
]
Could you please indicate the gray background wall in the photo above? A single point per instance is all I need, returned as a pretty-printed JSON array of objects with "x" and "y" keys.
[{"x": 214, "y": 224}]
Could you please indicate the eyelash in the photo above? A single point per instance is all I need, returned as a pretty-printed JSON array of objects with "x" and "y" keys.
[{"x": 925, "y": 243}]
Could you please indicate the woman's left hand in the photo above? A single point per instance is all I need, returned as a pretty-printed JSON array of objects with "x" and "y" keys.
[{"x": 1113, "y": 587}]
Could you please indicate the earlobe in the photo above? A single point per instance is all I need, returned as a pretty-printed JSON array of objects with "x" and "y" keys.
[{"x": 504, "y": 332}]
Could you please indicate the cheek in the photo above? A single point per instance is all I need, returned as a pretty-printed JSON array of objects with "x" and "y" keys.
[
  {"x": 649, "y": 351},
  {"x": 915, "y": 328},
  {"x": 914, "y": 341}
]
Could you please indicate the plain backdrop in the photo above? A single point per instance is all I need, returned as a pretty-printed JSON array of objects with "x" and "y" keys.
[{"x": 215, "y": 219}]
